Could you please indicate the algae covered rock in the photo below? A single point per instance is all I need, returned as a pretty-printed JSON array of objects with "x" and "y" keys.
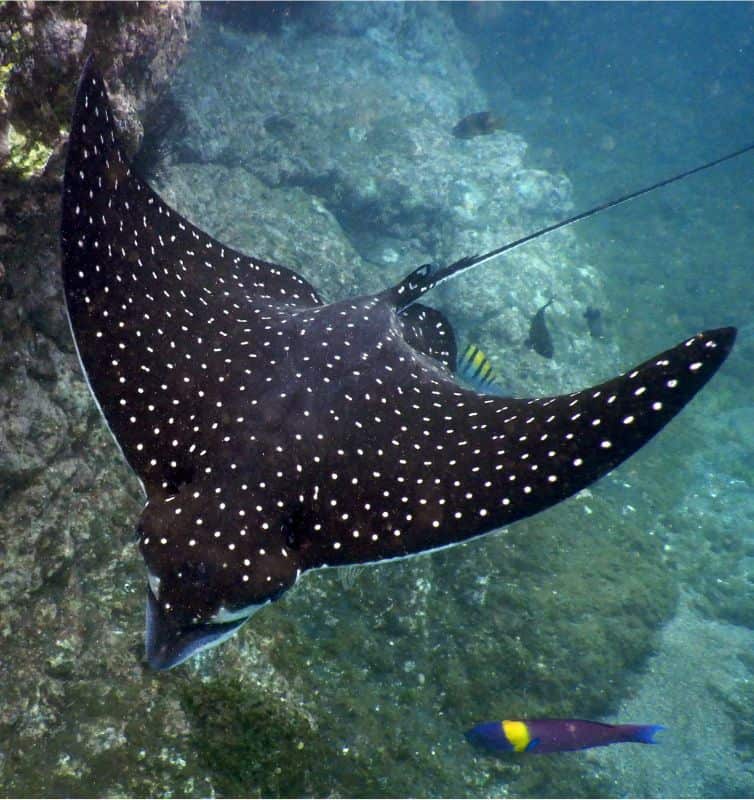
[{"x": 43, "y": 46}]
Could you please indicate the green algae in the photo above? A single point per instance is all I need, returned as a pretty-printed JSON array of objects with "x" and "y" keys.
[
  {"x": 133, "y": 757},
  {"x": 251, "y": 744},
  {"x": 5, "y": 71},
  {"x": 26, "y": 157}
]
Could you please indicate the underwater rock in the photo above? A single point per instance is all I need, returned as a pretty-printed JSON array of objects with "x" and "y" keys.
[
  {"x": 543, "y": 192},
  {"x": 33, "y": 431},
  {"x": 340, "y": 19},
  {"x": 356, "y": 19},
  {"x": 140, "y": 45},
  {"x": 367, "y": 151}
]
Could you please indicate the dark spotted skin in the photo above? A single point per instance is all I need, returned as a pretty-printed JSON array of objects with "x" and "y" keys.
[{"x": 273, "y": 433}]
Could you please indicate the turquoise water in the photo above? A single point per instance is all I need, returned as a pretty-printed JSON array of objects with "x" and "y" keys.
[{"x": 318, "y": 136}]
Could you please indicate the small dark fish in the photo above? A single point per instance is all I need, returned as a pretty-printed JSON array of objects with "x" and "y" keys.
[
  {"x": 481, "y": 123},
  {"x": 279, "y": 125},
  {"x": 474, "y": 367},
  {"x": 539, "y": 337},
  {"x": 594, "y": 322},
  {"x": 556, "y": 735}
]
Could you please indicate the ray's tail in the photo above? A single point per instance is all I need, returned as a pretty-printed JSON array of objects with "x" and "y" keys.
[{"x": 426, "y": 277}]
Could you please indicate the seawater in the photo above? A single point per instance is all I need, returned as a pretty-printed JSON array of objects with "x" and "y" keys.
[{"x": 318, "y": 136}]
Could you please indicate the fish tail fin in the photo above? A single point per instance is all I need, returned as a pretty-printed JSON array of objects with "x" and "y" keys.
[{"x": 644, "y": 734}]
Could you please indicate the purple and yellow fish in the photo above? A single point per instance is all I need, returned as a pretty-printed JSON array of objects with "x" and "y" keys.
[{"x": 556, "y": 735}]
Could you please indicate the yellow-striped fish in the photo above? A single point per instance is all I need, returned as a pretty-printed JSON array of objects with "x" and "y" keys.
[{"x": 474, "y": 367}]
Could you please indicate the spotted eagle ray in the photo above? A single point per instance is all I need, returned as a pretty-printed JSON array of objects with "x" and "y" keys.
[{"x": 274, "y": 433}]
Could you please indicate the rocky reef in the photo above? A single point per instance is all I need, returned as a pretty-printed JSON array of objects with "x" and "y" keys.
[
  {"x": 43, "y": 46},
  {"x": 321, "y": 140}
]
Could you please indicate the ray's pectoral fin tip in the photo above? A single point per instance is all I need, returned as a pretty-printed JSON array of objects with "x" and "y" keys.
[{"x": 274, "y": 434}]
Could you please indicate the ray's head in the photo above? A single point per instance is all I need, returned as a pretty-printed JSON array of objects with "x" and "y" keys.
[{"x": 205, "y": 577}]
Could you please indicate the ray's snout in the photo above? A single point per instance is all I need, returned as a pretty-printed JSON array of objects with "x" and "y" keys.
[{"x": 169, "y": 644}]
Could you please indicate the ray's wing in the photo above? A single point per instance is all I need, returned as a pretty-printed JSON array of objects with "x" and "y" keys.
[
  {"x": 274, "y": 434},
  {"x": 429, "y": 463},
  {"x": 161, "y": 312}
]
